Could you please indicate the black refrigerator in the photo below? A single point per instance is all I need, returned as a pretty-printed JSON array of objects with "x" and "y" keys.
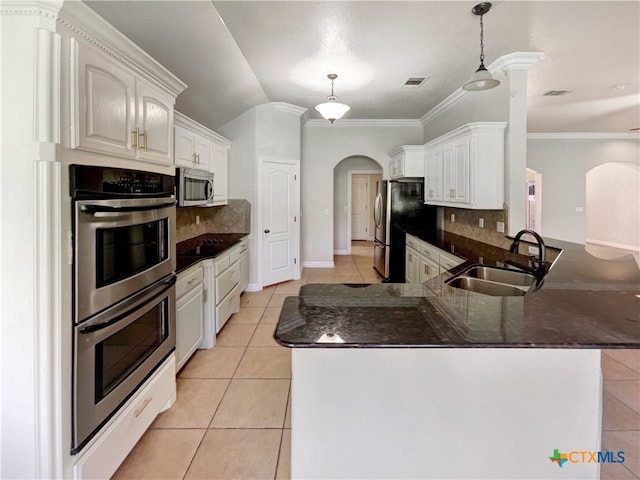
[{"x": 399, "y": 206}]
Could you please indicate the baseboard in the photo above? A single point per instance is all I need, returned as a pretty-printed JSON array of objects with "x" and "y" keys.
[
  {"x": 309, "y": 264},
  {"x": 253, "y": 287},
  {"x": 341, "y": 252},
  {"x": 621, "y": 246}
]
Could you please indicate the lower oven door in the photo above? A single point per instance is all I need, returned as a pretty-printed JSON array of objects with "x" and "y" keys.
[{"x": 116, "y": 351}]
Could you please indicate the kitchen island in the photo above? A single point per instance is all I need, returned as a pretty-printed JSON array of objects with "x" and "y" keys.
[{"x": 429, "y": 381}]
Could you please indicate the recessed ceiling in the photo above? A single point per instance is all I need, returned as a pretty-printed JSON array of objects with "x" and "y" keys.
[{"x": 234, "y": 55}]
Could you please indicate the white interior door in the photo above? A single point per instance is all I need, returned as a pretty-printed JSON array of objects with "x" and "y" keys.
[
  {"x": 359, "y": 207},
  {"x": 279, "y": 221}
]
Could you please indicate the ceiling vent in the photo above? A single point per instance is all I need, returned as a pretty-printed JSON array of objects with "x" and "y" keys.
[
  {"x": 414, "y": 82},
  {"x": 556, "y": 93}
]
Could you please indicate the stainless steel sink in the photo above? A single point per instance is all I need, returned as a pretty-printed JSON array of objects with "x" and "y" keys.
[
  {"x": 500, "y": 275},
  {"x": 498, "y": 282},
  {"x": 486, "y": 287}
]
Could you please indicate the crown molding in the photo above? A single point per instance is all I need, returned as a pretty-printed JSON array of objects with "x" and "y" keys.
[
  {"x": 289, "y": 108},
  {"x": 584, "y": 136},
  {"x": 502, "y": 64},
  {"x": 364, "y": 122},
  {"x": 182, "y": 120},
  {"x": 42, "y": 9},
  {"x": 87, "y": 25}
]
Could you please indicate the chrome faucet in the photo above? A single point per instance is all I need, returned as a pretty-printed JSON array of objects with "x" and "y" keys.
[{"x": 538, "y": 268}]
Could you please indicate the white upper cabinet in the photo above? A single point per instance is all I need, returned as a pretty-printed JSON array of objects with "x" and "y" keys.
[
  {"x": 154, "y": 123},
  {"x": 106, "y": 112},
  {"x": 117, "y": 111},
  {"x": 407, "y": 161},
  {"x": 198, "y": 147},
  {"x": 465, "y": 167}
]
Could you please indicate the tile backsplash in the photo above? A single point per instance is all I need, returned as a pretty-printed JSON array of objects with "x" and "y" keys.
[
  {"x": 466, "y": 224},
  {"x": 235, "y": 217}
]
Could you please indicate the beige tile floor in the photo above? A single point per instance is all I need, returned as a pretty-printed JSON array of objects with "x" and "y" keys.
[{"x": 232, "y": 420}]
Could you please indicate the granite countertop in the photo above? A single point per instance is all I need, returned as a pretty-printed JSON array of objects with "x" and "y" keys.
[
  {"x": 584, "y": 302},
  {"x": 209, "y": 245}
]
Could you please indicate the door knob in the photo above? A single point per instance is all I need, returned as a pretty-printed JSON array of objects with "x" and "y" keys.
[{"x": 266, "y": 230}]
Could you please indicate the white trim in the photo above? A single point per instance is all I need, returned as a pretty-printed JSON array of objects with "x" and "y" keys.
[
  {"x": 253, "y": 287},
  {"x": 373, "y": 122},
  {"x": 311, "y": 264},
  {"x": 83, "y": 22},
  {"x": 621, "y": 246},
  {"x": 342, "y": 252},
  {"x": 584, "y": 136},
  {"x": 289, "y": 108},
  {"x": 511, "y": 60},
  {"x": 182, "y": 120}
]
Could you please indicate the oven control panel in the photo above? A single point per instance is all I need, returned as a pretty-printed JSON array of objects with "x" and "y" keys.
[{"x": 92, "y": 181}]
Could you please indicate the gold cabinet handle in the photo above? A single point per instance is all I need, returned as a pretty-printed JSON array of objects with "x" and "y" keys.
[
  {"x": 136, "y": 137},
  {"x": 144, "y": 405},
  {"x": 145, "y": 135}
]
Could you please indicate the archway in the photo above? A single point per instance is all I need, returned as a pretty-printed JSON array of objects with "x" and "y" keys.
[
  {"x": 353, "y": 167},
  {"x": 613, "y": 206}
]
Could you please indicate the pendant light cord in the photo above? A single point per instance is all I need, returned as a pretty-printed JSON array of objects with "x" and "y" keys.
[{"x": 481, "y": 41}]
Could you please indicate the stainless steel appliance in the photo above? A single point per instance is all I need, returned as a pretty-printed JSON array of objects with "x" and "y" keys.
[
  {"x": 124, "y": 288},
  {"x": 194, "y": 187},
  {"x": 399, "y": 206}
]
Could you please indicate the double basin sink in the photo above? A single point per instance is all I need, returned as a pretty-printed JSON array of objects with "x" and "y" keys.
[{"x": 495, "y": 281}]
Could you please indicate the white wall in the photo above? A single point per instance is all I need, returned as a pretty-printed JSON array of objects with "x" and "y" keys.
[
  {"x": 613, "y": 205},
  {"x": 323, "y": 147},
  {"x": 266, "y": 132},
  {"x": 341, "y": 198},
  {"x": 564, "y": 163}
]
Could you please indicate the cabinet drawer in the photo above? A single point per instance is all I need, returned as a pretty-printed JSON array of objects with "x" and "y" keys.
[
  {"x": 234, "y": 255},
  {"x": 430, "y": 252},
  {"x": 189, "y": 279},
  {"x": 448, "y": 261},
  {"x": 228, "y": 306},
  {"x": 413, "y": 242},
  {"x": 226, "y": 281},
  {"x": 221, "y": 264},
  {"x": 118, "y": 438}
]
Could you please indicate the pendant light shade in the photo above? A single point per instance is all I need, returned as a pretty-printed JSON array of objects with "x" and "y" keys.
[
  {"x": 332, "y": 110},
  {"x": 482, "y": 78}
]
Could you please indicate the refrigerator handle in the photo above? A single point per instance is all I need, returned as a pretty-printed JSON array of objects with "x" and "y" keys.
[{"x": 377, "y": 210}]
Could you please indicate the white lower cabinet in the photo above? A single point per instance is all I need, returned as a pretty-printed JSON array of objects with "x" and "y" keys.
[
  {"x": 102, "y": 457},
  {"x": 425, "y": 261},
  {"x": 189, "y": 313},
  {"x": 226, "y": 277}
]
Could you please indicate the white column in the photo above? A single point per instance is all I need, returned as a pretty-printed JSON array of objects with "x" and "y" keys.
[{"x": 29, "y": 241}]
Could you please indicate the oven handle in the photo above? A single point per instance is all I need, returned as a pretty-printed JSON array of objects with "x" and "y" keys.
[
  {"x": 102, "y": 206},
  {"x": 121, "y": 311}
]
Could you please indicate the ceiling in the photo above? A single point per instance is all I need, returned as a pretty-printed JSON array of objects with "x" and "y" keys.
[{"x": 234, "y": 55}]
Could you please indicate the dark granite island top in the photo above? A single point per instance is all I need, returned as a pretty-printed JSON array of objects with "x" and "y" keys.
[{"x": 585, "y": 302}]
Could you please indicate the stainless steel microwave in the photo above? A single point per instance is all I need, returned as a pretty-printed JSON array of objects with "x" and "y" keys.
[{"x": 194, "y": 187}]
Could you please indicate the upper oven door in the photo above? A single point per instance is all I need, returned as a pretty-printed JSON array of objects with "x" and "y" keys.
[
  {"x": 195, "y": 187},
  {"x": 121, "y": 246}
]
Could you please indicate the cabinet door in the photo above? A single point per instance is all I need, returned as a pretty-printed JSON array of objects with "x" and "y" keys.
[
  {"x": 184, "y": 147},
  {"x": 218, "y": 165},
  {"x": 105, "y": 113},
  {"x": 411, "y": 268},
  {"x": 460, "y": 180},
  {"x": 244, "y": 271},
  {"x": 203, "y": 152},
  {"x": 155, "y": 122},
  {"x": 189, "y": 324},
  {"x": 433, "y": 175},
  {"x": 427, "y": 269}
]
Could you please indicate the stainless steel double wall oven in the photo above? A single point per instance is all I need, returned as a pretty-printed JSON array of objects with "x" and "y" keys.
[{"x": 124, "y": 288}]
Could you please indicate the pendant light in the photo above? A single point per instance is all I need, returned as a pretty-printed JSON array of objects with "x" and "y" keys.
[
  {"x": 332, "y": 110},
  {"x": 482, "y": 78}
]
